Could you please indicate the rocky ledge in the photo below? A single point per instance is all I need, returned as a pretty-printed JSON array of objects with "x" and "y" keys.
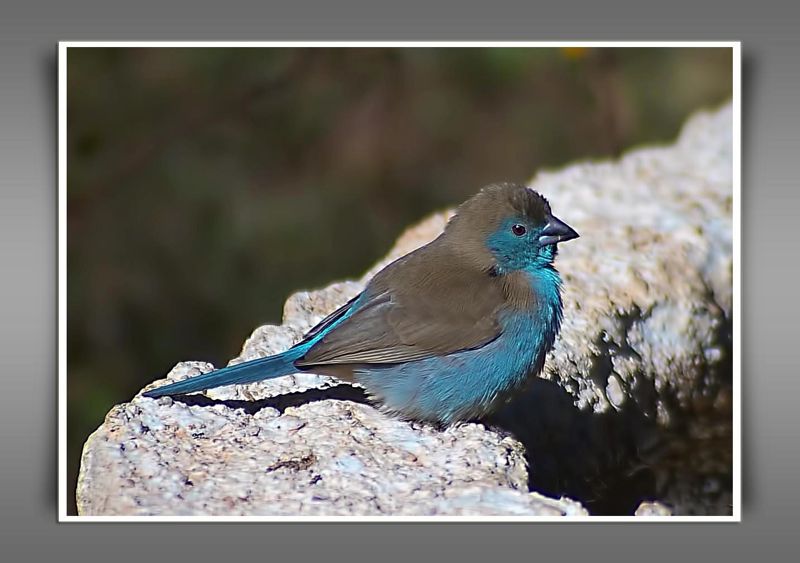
[{"x": 632, "y": 413}]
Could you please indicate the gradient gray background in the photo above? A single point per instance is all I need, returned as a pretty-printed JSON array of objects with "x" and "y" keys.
[{"x": 28, "y": 212}]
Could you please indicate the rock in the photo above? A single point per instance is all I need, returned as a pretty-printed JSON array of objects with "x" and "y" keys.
[
  {"x": 155, "y": 457},
  {"x": 640, "y": 374},
  {"x": 652, "y": 509}
]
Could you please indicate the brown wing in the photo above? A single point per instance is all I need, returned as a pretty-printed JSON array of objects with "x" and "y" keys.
[
  {"x": 327, "y": 321},
  {"x": 417, "y": 307}
]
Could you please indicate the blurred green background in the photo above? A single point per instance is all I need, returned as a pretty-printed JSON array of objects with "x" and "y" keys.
[{"x": 206, "y": 185}]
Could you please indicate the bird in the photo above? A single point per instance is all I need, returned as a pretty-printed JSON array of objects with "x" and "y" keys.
[{"x": 447, "y": 333}]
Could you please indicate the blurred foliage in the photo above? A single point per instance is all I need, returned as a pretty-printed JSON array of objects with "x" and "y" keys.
[{"x": 206, "y": 185}]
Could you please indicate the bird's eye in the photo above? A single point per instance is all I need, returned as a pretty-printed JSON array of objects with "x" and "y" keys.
[{"x": 518, "y": 230}]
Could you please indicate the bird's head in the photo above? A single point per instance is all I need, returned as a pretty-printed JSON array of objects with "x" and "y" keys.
[{"x": 508, "y": 227}]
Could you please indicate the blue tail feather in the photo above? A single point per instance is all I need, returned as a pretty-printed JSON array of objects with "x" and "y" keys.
[{"x": 247, "y": 372}]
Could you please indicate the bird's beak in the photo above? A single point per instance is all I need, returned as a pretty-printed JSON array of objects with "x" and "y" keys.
[{"x": 555, "y": 231}]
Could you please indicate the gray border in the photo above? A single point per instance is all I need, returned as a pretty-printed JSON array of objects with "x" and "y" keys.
[{"x": 28, "y": 210}]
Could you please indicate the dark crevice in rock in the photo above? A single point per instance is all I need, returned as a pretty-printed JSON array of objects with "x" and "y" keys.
[
  {"x": 342, "y": 392},
  {"x": 590, "y": 457},
  {"x": 613, "y": 461}
]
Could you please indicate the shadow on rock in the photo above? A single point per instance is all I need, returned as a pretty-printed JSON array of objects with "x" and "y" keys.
[
  {"x": 341, "y": 392},
  {"x": 593, "y": 458},
  {"x": 613, "y": 461}
]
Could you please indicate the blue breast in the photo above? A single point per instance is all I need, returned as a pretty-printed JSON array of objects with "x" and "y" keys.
[{"x": 467, "y": 384}]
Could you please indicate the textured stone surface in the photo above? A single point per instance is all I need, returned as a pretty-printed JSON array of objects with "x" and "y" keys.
[
  {"x": 652, "y": 509},
  {"x": 649, "y": 284},
  {"x": 642, "y": 360},
  {"x": 161, "y": 457}
]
